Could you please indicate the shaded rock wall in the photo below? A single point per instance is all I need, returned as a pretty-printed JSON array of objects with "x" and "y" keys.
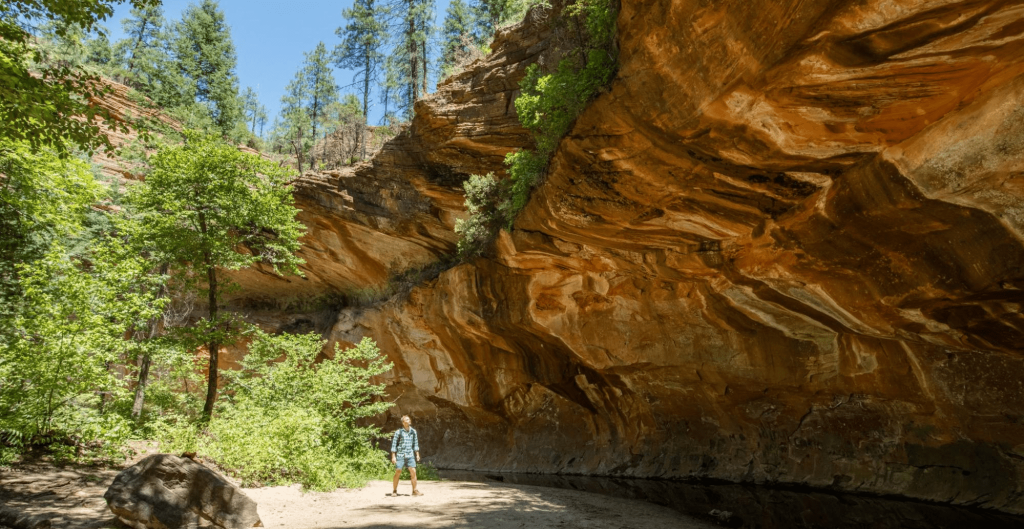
[{"x": 785, "y": 246}]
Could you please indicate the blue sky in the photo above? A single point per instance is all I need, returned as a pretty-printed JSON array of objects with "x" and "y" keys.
[{"x": 270, "y": 37}]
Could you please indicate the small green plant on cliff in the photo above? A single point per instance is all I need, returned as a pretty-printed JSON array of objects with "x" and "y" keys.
[
  {"x": 291, "y": 418},
  {"x": 548, "y": 106}
]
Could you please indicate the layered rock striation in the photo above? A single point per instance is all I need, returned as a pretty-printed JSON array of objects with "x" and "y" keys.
[{"x": 784, "y": 246}]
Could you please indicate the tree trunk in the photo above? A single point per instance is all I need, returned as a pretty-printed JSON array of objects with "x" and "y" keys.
[
  {"x": 313, "y": 117},
  {"x": 297, "y": 147},
  {"x": 413, "y": 58},
  {"x": 424, "y": 50},
  {"x": 366, "y": 102},
  {"x": 146, "y": 360},
  {"x": 211, "y": 345},
  {"x": 138, "y": 42}
]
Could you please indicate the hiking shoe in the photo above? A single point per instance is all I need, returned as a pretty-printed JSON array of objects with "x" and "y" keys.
[
  {"x": 394, "y": 494},
  {"x": 417, "y": 493}
]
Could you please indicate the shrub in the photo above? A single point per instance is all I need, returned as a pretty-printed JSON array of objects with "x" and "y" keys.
[
  {"x": 293, "y": 419},
  {"x": 424, "y": 472},
  {"x": 485, "y": 201}
]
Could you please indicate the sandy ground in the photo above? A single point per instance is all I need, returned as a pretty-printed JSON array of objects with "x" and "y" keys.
[
  {"x": 459, "y": 504},
  {"x": 73, "y": 499}
]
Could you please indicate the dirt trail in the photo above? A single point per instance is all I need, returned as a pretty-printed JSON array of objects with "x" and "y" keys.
[{"x": 73, "y": 497}]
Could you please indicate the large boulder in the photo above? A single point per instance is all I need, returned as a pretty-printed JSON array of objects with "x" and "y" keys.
[{"x": 167, "y": 492}]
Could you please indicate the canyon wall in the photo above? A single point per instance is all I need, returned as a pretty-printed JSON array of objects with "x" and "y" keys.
[{"x": 785, "y": 245}]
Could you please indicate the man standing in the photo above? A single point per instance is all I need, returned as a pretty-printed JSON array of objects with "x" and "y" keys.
[{"x": 404, "y": 444}]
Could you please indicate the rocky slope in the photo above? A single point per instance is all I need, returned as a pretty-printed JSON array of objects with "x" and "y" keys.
[{"x": 785, "y": 246}]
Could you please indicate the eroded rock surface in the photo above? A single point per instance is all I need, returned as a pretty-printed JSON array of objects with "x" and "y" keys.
[
  {"x": 168, "y": 492},
  {"x": 785, "y": 246}
]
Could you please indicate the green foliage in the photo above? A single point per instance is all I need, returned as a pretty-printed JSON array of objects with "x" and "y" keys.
[
  {"x": 206, "y": 57},
  {"x": 362, "y": 38},
  {"x": 255, "y": 113},
  {"x": 424, "y": 472},
  {"x": 319, "y": 88},
  {"x": 306, "y": 104},
  {"x": 206, "y": 200},
  {"x": 66, "y": 333},
  {"x": 548, "y": 106},
  {"x": 72, "y": 291},
  {"x": 291, "y": 418},
  {"x": 456, "y": 35},
  {"x": 205, "y": 206},
  {"x": 44, "y": 102},
  {"x": 292, "y": 128},
  {"x": 485, "y": 196},
  {"x": 407, "y": 68},
  {"x": 493, "y": 14},
  {"x": 145, "y": 58}
]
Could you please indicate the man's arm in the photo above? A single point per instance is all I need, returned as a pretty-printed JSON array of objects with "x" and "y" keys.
[
  {"x": 394, "y": 447},
  {"x": 416, "y": 445}
]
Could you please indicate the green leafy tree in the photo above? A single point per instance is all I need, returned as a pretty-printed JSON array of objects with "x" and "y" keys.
[
  {"x": 206, "y": 57},
  {"x": 206, "y": 207},
  {"x": 486, "y": 202},
  {"x": 43, "y": 199},
  {"x": 362, "y": 40},
  {"x": 47, "y": 103},
  {"x": 67, "y": 331}
]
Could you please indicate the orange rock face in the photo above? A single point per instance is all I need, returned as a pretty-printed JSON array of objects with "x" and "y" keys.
[{"x": 785, "y": 246}]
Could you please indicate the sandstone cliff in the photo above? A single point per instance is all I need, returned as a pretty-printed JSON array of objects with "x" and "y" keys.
[{"x": 785, "y": 246}]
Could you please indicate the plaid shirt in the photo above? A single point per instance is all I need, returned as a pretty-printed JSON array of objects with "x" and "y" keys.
[{"x": 405, "y": 443}]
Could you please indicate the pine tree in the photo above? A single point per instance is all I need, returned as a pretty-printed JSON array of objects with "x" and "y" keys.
[
  {"x": 143, "y": 30},
  {"x": 458, "y": 27},
  {"x": 320, "y": 89},
  {"x": 252, "y": 109},
  {"x": 360, "y": 49},
  {"x": 147, "y": 61},
  {"x": 261, "y": 118},
  {"x": 411, "y": 54},
  {"x": 206, "y": 56},
  {"x": 98, "y": 50},
  {"x": 391, "y": 89},
  {"x": 293, "y": 123},
  {"x": 492, "y": 13}
]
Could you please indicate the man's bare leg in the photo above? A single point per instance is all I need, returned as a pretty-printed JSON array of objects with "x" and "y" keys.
[
  {"x": 412, "y": 474},
  {"x": 398, "y": 474}
]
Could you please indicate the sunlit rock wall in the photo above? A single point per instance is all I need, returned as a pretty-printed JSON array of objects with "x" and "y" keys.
[{"x": 784, "y": 246}]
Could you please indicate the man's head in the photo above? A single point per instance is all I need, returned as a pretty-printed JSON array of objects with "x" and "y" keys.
[{"x": 406, "y": 421}]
